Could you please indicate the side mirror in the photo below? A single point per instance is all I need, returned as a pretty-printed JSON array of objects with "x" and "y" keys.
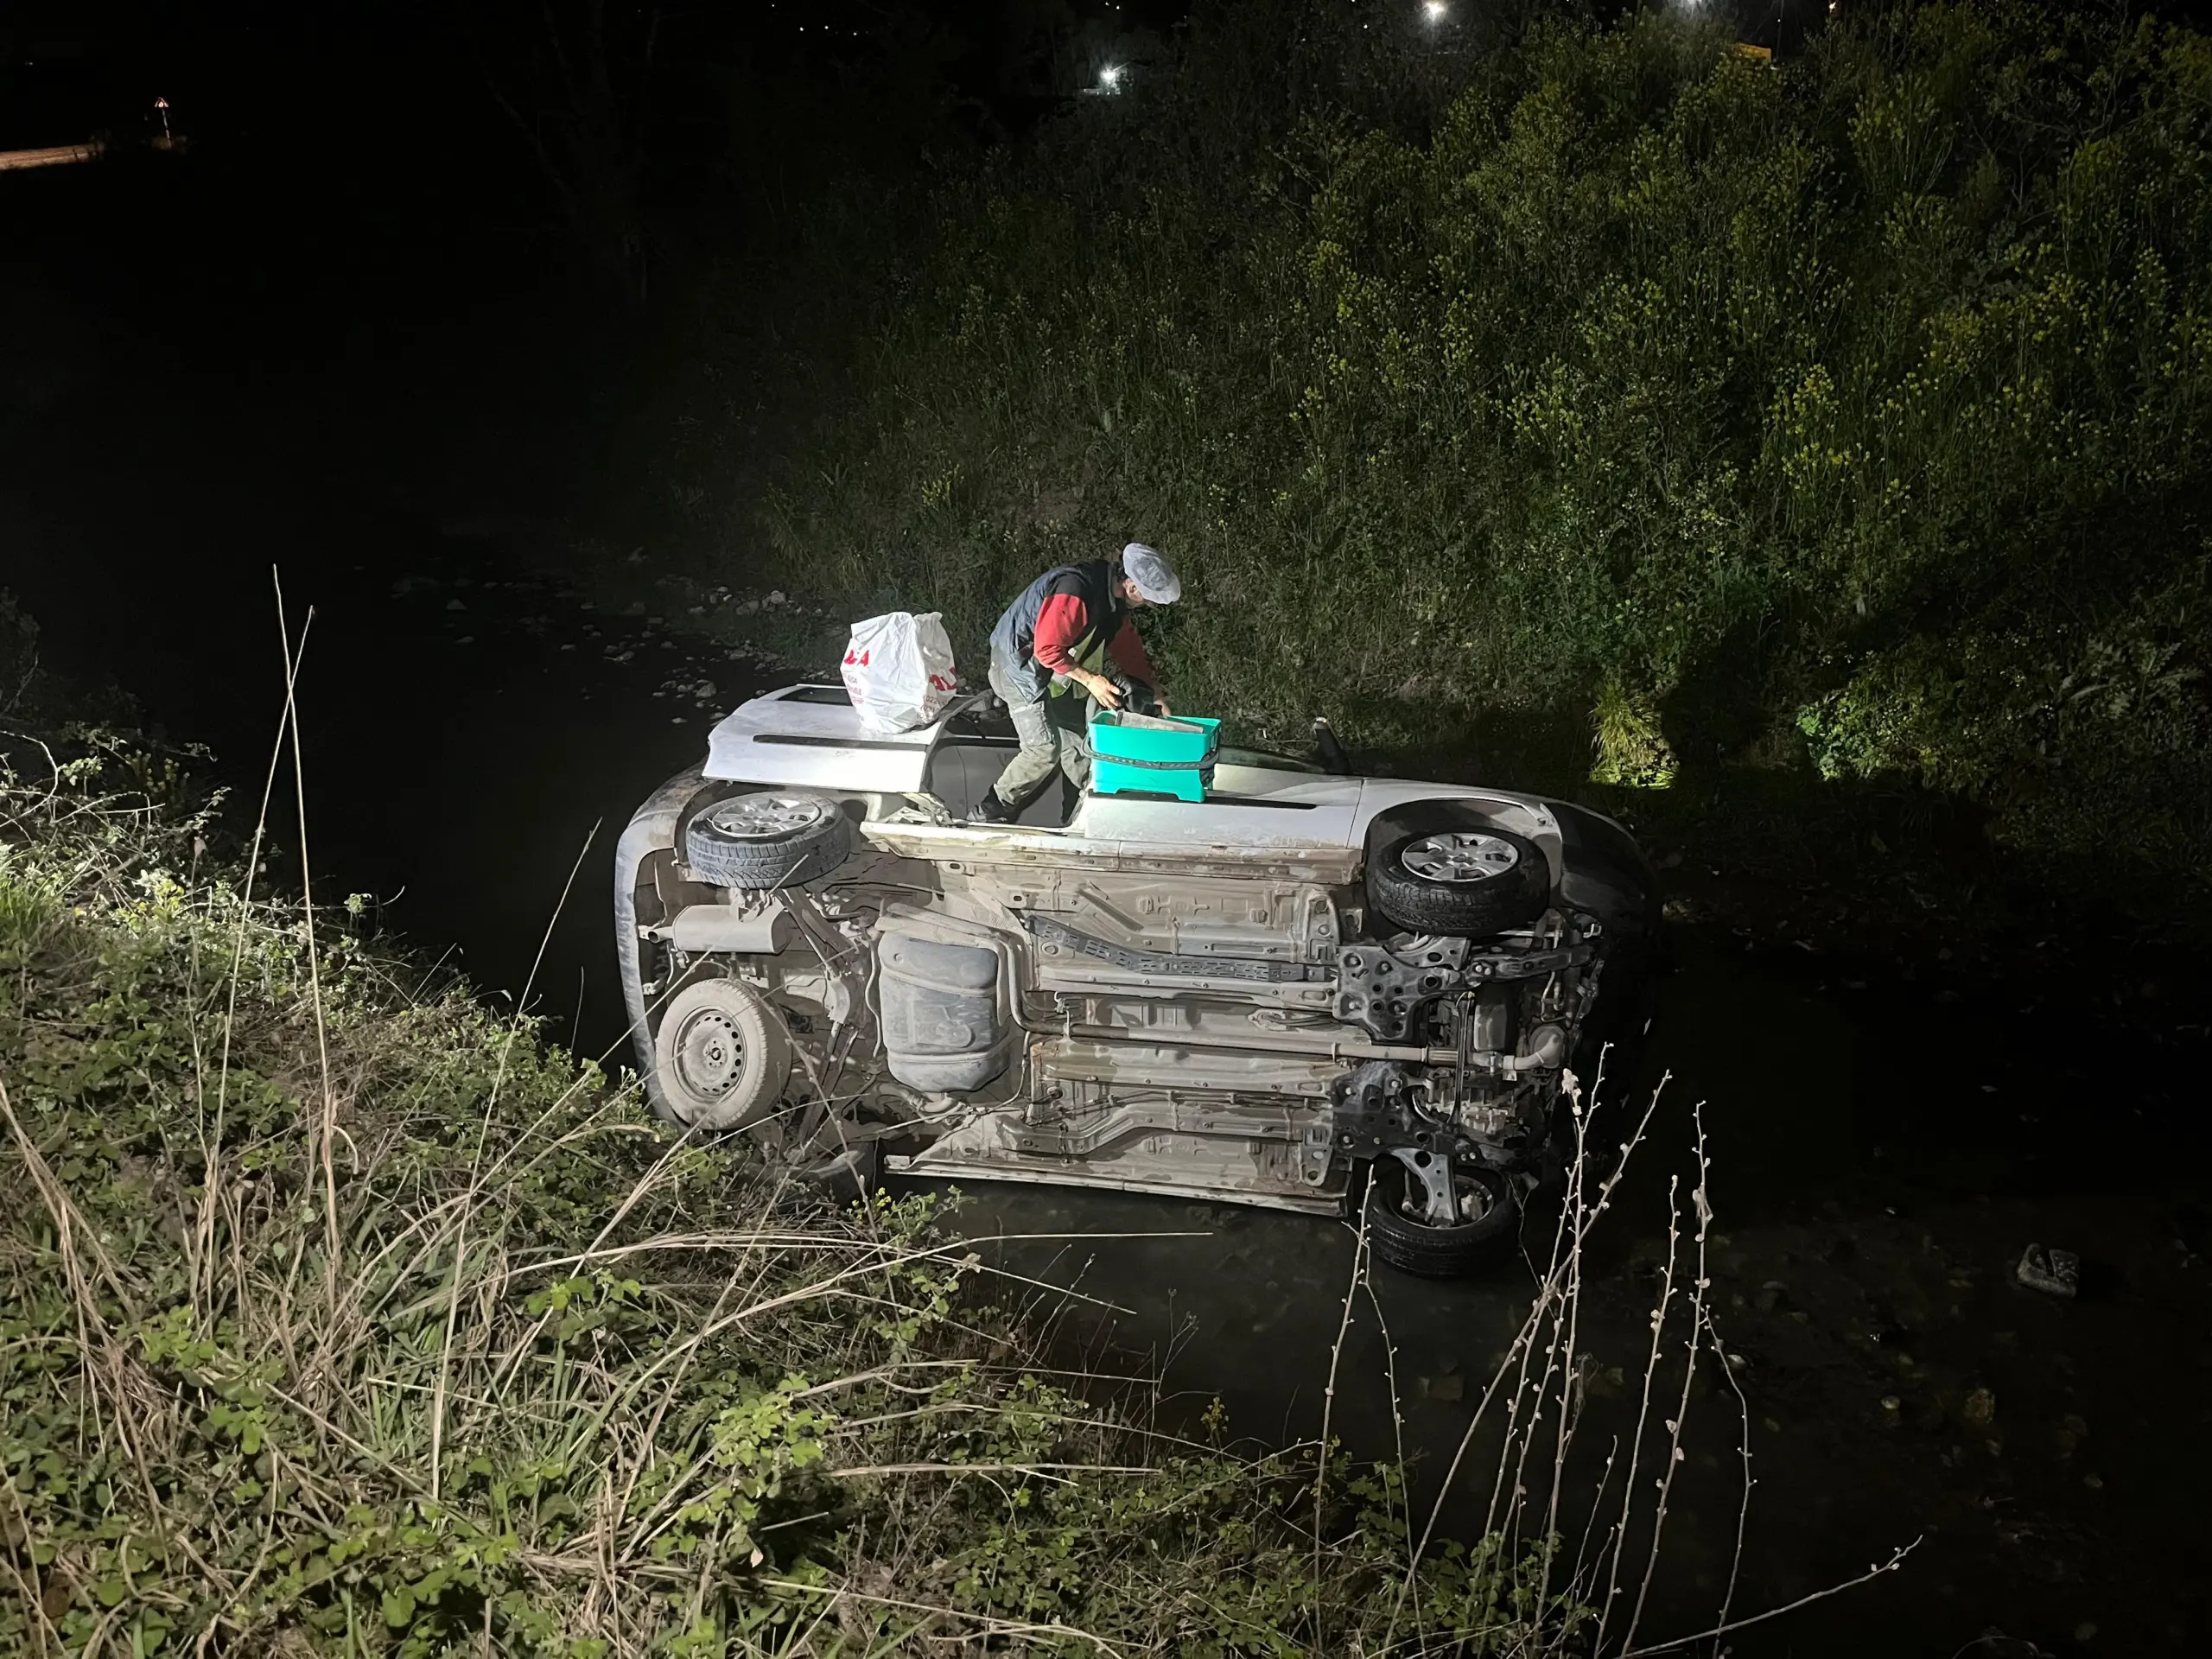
[{"x": 1330, "y": 751}]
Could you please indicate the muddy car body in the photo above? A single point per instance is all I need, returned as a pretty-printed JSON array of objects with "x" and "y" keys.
[{"x": 1305, "y": 991}]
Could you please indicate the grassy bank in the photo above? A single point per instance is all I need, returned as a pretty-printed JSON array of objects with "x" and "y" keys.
[
  {"x": 338, "y": 1314},
  {"x": 1593, "y": 392}
]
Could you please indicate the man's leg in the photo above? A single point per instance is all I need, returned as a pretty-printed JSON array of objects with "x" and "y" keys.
[
  {"x": 1070, "y": 717},
  {"x": 1032, "y": 724}
]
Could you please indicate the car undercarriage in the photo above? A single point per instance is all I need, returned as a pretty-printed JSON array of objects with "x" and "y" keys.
[{"x": 1332, "y": 1006}]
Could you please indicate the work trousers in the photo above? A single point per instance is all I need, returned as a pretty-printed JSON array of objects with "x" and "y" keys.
[{"x": 1051, "y": 729}]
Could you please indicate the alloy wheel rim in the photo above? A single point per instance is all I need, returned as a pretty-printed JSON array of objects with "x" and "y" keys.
[
  {"x": 1461, "y": 856},
  {"x": 1471, "y": 1199},
  {"x": 765, "y": 816}
]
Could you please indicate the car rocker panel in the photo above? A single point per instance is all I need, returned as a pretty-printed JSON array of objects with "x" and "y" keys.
[{"x": 1305, "y": 992}]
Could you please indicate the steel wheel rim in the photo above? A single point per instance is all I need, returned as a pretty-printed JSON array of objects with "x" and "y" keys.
[
  {"x": 709, "y": 1053},
  {"x": 770, "y": 816},
  {"x": 1460, "y": 857}
]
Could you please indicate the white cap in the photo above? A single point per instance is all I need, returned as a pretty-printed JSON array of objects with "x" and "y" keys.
[{"x": 1155, "y": 578}]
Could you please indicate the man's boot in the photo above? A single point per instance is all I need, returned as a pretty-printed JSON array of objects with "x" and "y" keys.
[{"x": 991, "y": 810}]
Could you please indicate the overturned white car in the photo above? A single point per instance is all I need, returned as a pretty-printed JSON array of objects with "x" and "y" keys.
[{"x": 1305, "y": 991}]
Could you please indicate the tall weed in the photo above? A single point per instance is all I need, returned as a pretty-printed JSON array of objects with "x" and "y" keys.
[{"x": 556, "y": 1381}]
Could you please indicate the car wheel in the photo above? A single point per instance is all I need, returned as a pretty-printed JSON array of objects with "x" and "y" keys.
[
  {"x": 1399, "y": 1234},
  {"x": 721, "y": 1056},
  {"x": 767, "y": 839},
  {"x": 1469, "y": 882}
]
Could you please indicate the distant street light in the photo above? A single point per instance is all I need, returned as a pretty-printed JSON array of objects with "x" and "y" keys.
[
  {"x": 1109, "y": 79},
  {"x": 1434, "y": 11}
]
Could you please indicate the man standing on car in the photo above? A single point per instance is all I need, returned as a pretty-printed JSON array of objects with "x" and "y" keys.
[{"x": 1050, "y": 649}]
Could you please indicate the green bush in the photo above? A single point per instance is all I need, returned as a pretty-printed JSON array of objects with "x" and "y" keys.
[{"x": 1850, "y": 413}]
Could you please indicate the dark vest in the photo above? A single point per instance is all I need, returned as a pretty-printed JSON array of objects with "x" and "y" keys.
[{"x": 1013, "y": 640}]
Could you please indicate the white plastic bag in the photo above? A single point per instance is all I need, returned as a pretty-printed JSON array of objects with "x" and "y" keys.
[{"x": 899, "y": 670}]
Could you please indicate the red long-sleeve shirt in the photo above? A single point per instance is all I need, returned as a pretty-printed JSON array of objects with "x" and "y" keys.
[{"x": 1063, "y": 621}]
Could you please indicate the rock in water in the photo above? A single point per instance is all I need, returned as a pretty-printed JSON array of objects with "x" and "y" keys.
[{"x": 2055, "y": 1272}]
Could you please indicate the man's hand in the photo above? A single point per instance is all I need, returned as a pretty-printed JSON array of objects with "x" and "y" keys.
[{"x": 1103, "y": 690}]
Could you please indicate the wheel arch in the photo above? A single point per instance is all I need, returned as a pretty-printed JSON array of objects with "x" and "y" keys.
[
  {"x": 1605, "y": 871},
  {"x": 652, "y": 828},
  {"x": 651, "y": 878}
]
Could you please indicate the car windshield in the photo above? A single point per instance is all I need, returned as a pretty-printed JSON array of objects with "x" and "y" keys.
[{"x": 1266, "y": 760}]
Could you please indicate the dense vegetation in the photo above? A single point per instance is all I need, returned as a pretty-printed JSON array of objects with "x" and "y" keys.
[
  {"x": 1845, "y": 414},
  {"x": 338, "y": 1315}
]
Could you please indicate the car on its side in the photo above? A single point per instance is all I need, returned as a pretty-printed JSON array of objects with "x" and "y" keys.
[{"x": 1307, "y": 990}]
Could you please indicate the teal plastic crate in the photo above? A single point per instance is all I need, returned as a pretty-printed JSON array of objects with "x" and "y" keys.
[{"x": 1144, "y": 753}]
